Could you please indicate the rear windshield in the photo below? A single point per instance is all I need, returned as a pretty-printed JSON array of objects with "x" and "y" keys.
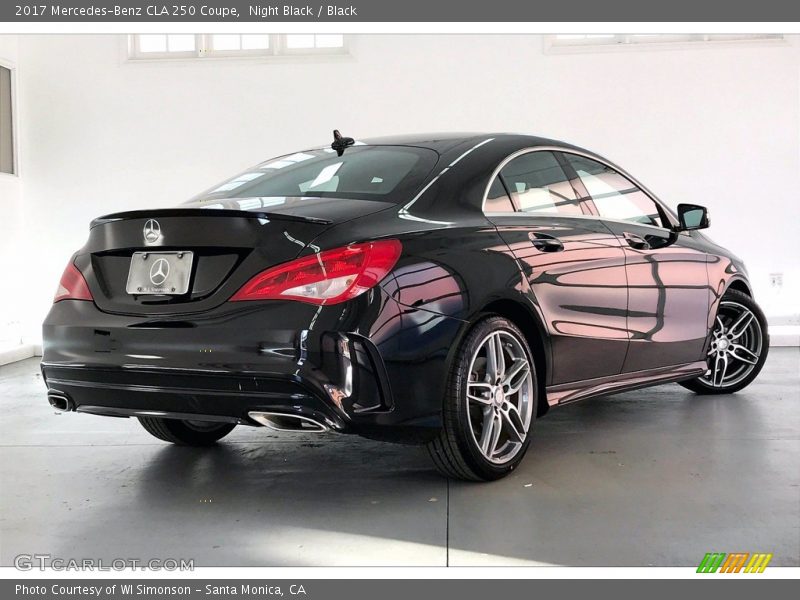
[{"x": 387, "y": 173}]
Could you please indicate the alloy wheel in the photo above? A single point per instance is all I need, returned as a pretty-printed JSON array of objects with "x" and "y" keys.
[
  {"x": 736, "y": 345},
  {"x": 500, "y": 396}
]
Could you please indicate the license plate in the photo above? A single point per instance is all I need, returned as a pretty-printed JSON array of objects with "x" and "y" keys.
[{"x": 159, "y": 273}]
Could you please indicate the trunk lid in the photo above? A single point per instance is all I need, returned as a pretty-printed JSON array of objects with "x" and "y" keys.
[{"x": 229, "y": 241}]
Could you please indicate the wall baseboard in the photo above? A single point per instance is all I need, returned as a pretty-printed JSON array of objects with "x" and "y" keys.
[
  {"x": 13, "y": 354},
  {"x": 784, "y": 335}
]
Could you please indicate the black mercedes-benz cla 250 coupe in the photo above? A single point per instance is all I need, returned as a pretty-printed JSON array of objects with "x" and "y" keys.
[{"x": 443, "y": 289}]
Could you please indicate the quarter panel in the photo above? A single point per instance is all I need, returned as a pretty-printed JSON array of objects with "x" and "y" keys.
[{"x": 453, "y": 270}]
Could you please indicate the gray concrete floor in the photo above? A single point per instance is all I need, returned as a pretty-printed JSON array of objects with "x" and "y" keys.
[{"x": 653, "y": 477}]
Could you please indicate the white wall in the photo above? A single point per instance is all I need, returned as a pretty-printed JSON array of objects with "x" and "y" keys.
[
  {"x": 718, "y": 126},
  {"x": 11, "y": 307}
]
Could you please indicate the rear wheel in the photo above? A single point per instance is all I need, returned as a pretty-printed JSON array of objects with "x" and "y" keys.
[
  {"x": 490, "y": 404},
  {"x": 738, "y": 348},
  {"x": 186, "y": 433}
]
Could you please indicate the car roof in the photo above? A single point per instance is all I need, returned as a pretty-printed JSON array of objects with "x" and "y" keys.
[{"x": 444, "y": 141}]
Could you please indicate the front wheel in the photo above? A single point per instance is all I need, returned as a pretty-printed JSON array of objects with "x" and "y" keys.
[
  {"x": 490, "y": 404},
  {"x": 738, "y": 348},
  {"x": 186, "y": 433}
]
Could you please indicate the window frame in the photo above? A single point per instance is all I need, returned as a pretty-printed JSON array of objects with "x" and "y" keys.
[
  {"x": 12, "y": 67},
  {"x": 677, "y": 41},
  {"x": 134, "y": 52},
  {"x": 205, "y": 48},
  {"x": 278, "y": 49},
  {"x": 284, "y": 50}
]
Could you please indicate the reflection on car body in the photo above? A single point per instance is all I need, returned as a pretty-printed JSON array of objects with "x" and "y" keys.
[{"x": 441, "y": 289}]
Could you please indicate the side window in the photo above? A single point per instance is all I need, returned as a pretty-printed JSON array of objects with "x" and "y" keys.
[
  {"x": 498, "y": 200},
  {"x": 614, "y": 195},
  {"x": 538, "y": 184}
]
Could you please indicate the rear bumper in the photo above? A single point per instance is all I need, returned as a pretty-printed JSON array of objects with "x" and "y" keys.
[
  {"x": 355, "y": 368},
  {"x": 126, "y": 392}
]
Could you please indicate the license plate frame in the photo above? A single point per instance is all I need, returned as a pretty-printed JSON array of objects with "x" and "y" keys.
[{"x": 163, "y": 273}]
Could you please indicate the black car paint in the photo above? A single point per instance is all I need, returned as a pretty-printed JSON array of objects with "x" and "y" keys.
[{"x": 204, "y": 356}]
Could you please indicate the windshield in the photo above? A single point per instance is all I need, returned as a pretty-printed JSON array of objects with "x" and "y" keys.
[{"x": 387, "y": 173}]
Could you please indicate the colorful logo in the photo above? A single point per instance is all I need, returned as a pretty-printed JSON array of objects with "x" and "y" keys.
[{"x": 738, "y": 562}]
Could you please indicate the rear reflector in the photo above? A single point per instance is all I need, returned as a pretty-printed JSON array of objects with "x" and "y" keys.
[
  {"x": 72, "y": 285},
  {"x": 330, "y": 277}
]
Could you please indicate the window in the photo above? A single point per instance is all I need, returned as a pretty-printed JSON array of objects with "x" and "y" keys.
[
  {"x": 575, "y": 42},
  {"x": 362, "y": 172},
  {"x": 217, "y": 45},
  {"x": 537, "y": 184},
  {"x": 238, "y": 43},
  {"x": 317, "y": 42},
  {"x": 614, "y": 196},
  {"x": 175, "y": 45},
  {"x": 497, "y": 199},
  {"x": 6, "y": 122}
]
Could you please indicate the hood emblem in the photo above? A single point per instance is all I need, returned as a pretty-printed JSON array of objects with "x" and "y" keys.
[
  {"x": 152, "y": 231},
  {"x": 159, "y": 271}
]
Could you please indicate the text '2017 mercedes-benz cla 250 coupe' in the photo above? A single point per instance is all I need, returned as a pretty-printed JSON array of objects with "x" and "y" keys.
[{"x": 444, "y": 290}]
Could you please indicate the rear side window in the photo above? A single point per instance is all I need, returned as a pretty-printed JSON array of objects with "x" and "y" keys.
[
  {"x": 537, "y": 184},
  {"x": 363, "y": 172},
  {"x": 615, "y": 196},
  {"x": 497, "y": 199}
]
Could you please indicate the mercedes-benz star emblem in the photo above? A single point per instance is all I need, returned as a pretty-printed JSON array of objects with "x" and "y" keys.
[
  {"x": 152, "y": 231},
  {"x": 159, "y": 271}
]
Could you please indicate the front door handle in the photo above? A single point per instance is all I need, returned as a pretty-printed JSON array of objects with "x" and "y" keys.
[
  {"x": 636, "y": 242},
  {"x": 546, "y": 243}
]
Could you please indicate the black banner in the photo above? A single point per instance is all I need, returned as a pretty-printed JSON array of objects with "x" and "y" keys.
[
  {"x": 341, "y": 589},
  {"x": 405, "y": 11}
]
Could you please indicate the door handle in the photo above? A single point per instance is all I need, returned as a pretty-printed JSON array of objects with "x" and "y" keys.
[
  {"x": 545, "y": 243},
  {"x": 636, "y": 242}
]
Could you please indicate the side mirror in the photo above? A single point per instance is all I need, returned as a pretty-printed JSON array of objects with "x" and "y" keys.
[{"x": 692, "y": 216}]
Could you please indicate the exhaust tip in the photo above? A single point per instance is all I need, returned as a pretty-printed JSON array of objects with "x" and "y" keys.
[
  {"x": 60, "y": 402},
  {"x": 287, "y": 422}
]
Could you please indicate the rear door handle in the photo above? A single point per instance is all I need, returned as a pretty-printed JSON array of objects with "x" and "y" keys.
[
  {"x": 546, "y": 243},
  {"x": 636, "y": 242}
]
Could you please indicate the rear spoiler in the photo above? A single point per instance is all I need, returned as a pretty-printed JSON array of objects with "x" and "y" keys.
[{"x": 205, "y": 212}]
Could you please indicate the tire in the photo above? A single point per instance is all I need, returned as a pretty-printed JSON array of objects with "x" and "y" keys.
[
  {"x": 186, "y": 433},
  {"x": 467, "y": 422},
  {"x": 753, "y": 338}
]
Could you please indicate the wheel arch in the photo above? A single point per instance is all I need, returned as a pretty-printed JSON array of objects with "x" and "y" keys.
[
  {"x": 740, "y": 285},
  {"x": 534, "y": 332}
]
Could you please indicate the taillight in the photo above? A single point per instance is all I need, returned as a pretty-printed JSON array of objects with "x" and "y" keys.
[
  {"x": 329, "y": 277},
  {"x": 72, "y": 285}
]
